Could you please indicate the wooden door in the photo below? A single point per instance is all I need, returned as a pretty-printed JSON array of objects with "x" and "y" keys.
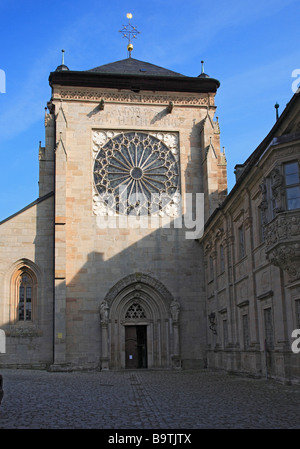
[{"x": 131, "y": 353}]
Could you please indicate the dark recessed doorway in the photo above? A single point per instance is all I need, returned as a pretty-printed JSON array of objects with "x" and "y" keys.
[{"x": 136, "y": 347}]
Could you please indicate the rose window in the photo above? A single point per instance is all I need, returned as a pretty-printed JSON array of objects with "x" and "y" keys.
[{"x": 135, "y": 173}]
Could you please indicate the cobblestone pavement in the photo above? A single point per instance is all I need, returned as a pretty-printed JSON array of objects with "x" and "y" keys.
[{"x": 145, "y": 400}]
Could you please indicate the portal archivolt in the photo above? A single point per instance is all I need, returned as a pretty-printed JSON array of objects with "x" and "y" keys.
[{"x": 139, "y": 308}]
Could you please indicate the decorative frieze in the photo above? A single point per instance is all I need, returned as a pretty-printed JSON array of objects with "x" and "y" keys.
[{"x": 130, "y": 97}]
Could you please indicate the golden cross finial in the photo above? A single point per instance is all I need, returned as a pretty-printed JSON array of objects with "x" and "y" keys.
[{"x": 130, "y": 33}]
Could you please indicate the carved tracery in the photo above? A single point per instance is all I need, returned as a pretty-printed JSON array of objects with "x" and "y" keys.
[
  {"x": 135, "y": 311},
  {"x": 135, "y": 173}
]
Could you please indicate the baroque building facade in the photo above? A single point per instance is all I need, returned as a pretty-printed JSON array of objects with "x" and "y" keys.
[
  {"x": 106, "y": 270},
  {"x": 252, "y": 258}
]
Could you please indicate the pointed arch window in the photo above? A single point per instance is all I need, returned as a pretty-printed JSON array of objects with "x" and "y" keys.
[
  {"x": 25, "y": 297},
  {"x": 25, "y": 288}
]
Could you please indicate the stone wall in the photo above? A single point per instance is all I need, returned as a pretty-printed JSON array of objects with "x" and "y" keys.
[
  {"x": 90, "y": 257},
  {"x": 26, "y": 241}
]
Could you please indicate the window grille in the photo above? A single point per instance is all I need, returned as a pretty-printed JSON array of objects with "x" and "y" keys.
[{"x": 25, "y": 297}]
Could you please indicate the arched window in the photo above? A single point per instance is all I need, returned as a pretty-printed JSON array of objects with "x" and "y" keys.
[
  {"x": 24, "y": 292},
  {"x": 25, "y": 297}
]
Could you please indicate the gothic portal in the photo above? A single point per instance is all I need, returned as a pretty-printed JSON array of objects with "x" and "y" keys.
[{"x": 139, "y": 318}]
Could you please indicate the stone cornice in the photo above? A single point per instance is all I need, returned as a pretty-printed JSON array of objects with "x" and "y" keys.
[
  {"x": 133, "y": 82},
  {"x": 96, "y": 95}
]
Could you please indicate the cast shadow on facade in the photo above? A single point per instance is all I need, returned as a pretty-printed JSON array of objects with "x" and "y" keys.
[
  {"x": 27, "y": 286},
  {"x": 139, "y": 307}
]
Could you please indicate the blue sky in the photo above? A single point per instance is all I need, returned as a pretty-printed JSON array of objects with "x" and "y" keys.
[{"x": 251, "y": 47}]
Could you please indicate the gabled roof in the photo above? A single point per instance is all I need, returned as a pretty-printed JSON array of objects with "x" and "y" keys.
[
  {"x": 134, "y": 67},
  {"x": 288, "y": 123},
  {"x": 34, "y": 203}
]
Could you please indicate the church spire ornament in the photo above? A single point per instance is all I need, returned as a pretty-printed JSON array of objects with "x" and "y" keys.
[{"x": 129, "y": 32}]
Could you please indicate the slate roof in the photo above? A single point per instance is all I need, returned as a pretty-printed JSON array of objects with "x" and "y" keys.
[{"x": 133, "y": 66}]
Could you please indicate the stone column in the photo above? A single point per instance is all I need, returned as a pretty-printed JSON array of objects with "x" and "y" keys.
[
  {"x": 175, "y": 309},
  {"x": 104, "y": 321},
  {"x": 60, "y": 293}
]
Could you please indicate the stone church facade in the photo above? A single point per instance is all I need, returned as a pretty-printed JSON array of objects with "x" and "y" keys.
[
  {"x": 100, "y": 272},
  {"x": 96, "y": 274}
]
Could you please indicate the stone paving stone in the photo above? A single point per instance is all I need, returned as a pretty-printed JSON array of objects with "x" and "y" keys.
[{"x": 146, "y": 400}]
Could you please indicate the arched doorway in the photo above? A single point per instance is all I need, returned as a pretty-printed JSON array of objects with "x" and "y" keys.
[
  {"x": 136, "y": 337},
  {"x": 138, "y": 328}
]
